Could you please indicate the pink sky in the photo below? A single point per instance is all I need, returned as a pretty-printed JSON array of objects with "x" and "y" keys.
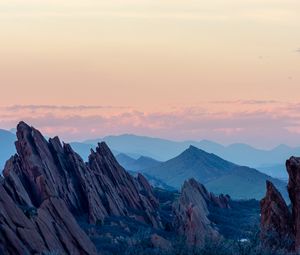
[
  {"x": 263, "y": 124},
  {"x": 159, "y": 68}
]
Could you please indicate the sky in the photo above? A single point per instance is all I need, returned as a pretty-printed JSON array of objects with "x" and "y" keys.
[{"x": 225, "y": 70}]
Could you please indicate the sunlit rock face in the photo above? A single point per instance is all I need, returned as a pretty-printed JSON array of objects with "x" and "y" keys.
[{"x": 46, "y": 185}]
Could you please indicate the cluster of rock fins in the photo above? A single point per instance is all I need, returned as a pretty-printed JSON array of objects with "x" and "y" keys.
[{"x": 46, "y": 186}]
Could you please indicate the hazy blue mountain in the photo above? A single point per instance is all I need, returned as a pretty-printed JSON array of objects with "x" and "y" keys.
[
  {"x": 136, "y": 165},
  {"x": 156, "y": 148},
  {"x": 238, "y": 153},
  {"x": 217, "y": 174},
  {"x": 125, "y": 161},
  {"x": 244, "y": 154},
  {"x": 84, "y": 149},
  {"x": 155, "y": 182},
  {"x": 278, "y": 171},
  {"x": 7, "y": 146}
]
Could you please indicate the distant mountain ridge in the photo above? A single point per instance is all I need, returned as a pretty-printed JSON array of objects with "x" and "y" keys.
[
  {"x": 136, "y": 165},
  {"x": 266, "y": 161},
  {"x": 217, "y": 174},
  {"x": 242, "y": 154}
]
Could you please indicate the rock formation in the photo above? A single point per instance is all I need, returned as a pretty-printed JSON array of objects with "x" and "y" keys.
[
  {"x": 192, "y": 210},
  {"x": 46, "y": 185},
  {"x": 51, "y": 227},
  {"x": 276, "y": 218},
  {"x": 293, "y": 168}
]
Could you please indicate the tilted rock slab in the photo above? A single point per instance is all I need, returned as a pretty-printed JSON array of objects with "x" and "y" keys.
[
  {"x": 276, "y": 220},
  {"x": 49, "y": 177},
  {"x": 98, "y": 188},
  {"x": 293, "y": 168},
  {"x": 191, "y": 213},
  {"x": 275, "y": 215},
  {"x": 53, "y": 228}
]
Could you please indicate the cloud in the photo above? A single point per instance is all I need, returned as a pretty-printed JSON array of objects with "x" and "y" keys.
[{"x": 260, "y": 123}]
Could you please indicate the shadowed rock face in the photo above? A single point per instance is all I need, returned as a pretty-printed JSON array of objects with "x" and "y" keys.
[
  {"x": 293, "y": 168},
  {"x": 276, "y": 220},
  {"x": 51, "y": 180},
  {"x": 51, "y": 227},
  {"x": 191, "y": 212}
]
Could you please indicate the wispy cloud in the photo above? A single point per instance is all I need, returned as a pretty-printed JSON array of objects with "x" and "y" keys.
[{"x": 260, "y": 123}]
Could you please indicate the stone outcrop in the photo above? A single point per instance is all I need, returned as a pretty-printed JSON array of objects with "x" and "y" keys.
[
  {"x": 49, "y": 228},
  {"x": 192, "y": 210},
  {"x": 50, "y": 185},
  {"x": 98, "y": 188},
  {"x": 293, "y": 168},
  {"x": 276, "y": 220}
]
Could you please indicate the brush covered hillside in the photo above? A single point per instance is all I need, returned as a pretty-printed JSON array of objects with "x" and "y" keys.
[{"x": 218, "y": 175}]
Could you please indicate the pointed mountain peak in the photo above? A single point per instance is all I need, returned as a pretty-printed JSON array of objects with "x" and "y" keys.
[
  {"x": 192, "y": 150},
  {"x": 192, "y": 147}
]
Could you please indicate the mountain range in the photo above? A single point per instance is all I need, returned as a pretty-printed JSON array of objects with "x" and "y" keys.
[
  {"x": 54, "y": 202},
  {"x": 217, "y": 174},
  {"x": 270, "y": 162},
  {"x": 136, "y": 165}
]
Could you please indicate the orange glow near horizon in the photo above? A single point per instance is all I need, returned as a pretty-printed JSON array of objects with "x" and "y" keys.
[{"x": 149, "y": 56}]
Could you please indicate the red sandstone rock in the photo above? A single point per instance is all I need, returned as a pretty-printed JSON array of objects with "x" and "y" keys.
[
  {"x": 191, "y": 213},
  {"x": 276, "y": 220},
  {"x": 52, "y": 179},
  {"x": 99, "y": 188},
  {"x": 293, "y": 168},
  {"x": 53, "y": 228},
  {"x": 275, "y": 216}
]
